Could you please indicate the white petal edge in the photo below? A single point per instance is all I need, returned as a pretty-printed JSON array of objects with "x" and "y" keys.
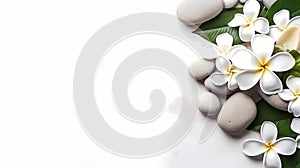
[
  {"x": 246, "y": 33},
  {"x": 286, "y": 95},
  {"x": 270, "y": 83},
  {"x": 281, "y": 62},
  {"x": 218, "y": 78},
  {"x": 295, "y": 125},
  {"x": 224, "y": 41},
  {"x": 248, "y": 79},
  {"x": 251, "y": 9},
  {"x": 261, "y": 25},
  {"x": 271, "y": 160},
  {"x": 293, "y": 83},
  {"x": 289, "y": 38},
  {"x": 262, "y": 46},
  {"x": 223, "y": 64},
  {"x": 238, "y": 20},
  {"x": 232, "y": 83},
  {"x": 245, "y": 59},
  {"x": 282, "y": 19},
  {"x": 285, "y": 146},
  {"x": 295, "y": 21},
  {"x": 294, "y": 107},
  {"x": 253, "y": 147},
  {"x": 233, "y": 50},
  {"x": 268, "y": 132},
  {"x": 275, "y": 32}
]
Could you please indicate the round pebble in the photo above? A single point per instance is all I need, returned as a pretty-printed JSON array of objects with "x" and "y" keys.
[
  {"x": 237, "y": 114},
  {"x": 194, "y": 12},
  {"x": 201, "y": 68},
  {"x": 219, "y": 90},
  {"x": 229, "y": 3},
  {"x": 274, "y": 100},
  {"x": 209, "y": 104}
]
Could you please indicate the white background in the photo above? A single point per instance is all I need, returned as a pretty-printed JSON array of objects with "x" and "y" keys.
[{"x": 40, "y": 42}]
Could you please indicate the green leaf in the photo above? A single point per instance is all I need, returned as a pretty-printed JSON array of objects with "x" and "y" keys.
[
  {"x": 291, "y": 5},
  {"x": 295, "y": 71},
  {"x": 281, "y": 119},
  {"x": 292, "y": 161},
  {"x": 211, "y": 29},
  {"x": 212, "y": 34},
  {"x": 297, "y": 13}
]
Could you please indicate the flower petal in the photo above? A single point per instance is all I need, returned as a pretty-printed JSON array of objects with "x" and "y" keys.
[
  {"x": 246, "y": 33},
  {"x": 285, "y": 146},
  {"x": 262, "y": 46},
  {"x": 270, "y": 83},
  {"x": 233, "y": 50},
  {"x": 275, "y": 32},
  {"x": 222, "y": 64},
  {"x": 295, "y": 21},
  {"x": 293, "y": 83},
  {"x": 295, "y": 125},
  {"x": 268, "y": 132},
  {"x": 224, "y": 41},
  {"x": 210, "y": 52},
  {"x": 282, "y": 18},
  {"x": 253, "y": 147},
  {"x": 289, "y": 38},
  {"x": 251, "y": 9},
  {"x": 298, "y": 141},
  {"x": 281, "y": 62},
  {"x": 219, "y": 78},
  {"x": 238, "y": 20},
  {"x": 247, "y": 79},
  {"x": 271, "y": 160},
  {"x": 261, "y": 25},
  {"x": 287, "y": 95},
  {"x": 245, "y": 59},
  {"x": 232, "y": 83},
  {"x": 294, "y": 107}
]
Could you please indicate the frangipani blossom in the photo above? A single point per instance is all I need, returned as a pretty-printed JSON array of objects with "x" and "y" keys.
[
  {"x": 260, "y": 65},
  {"x": 269, "y": 146},
  {"x": 249, "y": 22},
  {"x": 295, "y": 126},
  {"x": 225, "y": 75},
  {"x": 292, "y": 95},
  {"x": 223, "y": 48},
  {"x": 282, "y": 22}
]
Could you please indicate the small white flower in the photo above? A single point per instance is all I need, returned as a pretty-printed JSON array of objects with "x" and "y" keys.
[
  {"x": 295, "y": 126},
  {"x": 269, "y": 146},
  {"x": 282, "y": 22},
  {"x": 260, "y": 65},
  {"x": 249, "y": 22},
  {"x": 223, "y": 48},
  {"x": 292, "y": 95},
  {"x": 225, "y": 75}
]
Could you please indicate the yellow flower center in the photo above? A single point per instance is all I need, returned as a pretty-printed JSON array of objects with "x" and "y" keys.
[{"x": 270, "y": 146}]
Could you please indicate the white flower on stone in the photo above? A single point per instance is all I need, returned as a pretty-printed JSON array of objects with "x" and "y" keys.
[
  {"x": 260, "y": 65},
  {"x": 226, "y": 74},
  {"x": 249, "y": 22},
  {"x": 223, "y": 48},
  {"x": 292, "y": 94},
  {"x": 295, "y": 126},
  {"x": 282, "y": 22},
  {"x": 269, "y": 146}
]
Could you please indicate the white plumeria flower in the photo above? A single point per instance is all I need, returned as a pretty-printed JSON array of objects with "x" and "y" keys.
[
  {"x": 260, "y": 65},
  {"x": 292, "y": 94},
  {"x": 269, "y": 146},
  {"x": 225, "y": 75},
  {"x": 223, "y": 48},
  {"x": 295, "y": 126},
  {"x": 282, "y": 22},
  {"x": 249, "y": 22}
]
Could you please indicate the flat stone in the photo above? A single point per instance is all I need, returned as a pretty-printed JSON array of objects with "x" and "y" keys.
[
  {"x": 229, "y": 3},
  {"x": 209, "y": 104},
  {"x": 219, "y": 90},
  {"x": 237, "y": 114},
  {"x": 253, "y": 94},
  {"x": 195, "y": 12},
  {"x": 201, "y": 68},
  {"x": 274, "y": 100}
]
